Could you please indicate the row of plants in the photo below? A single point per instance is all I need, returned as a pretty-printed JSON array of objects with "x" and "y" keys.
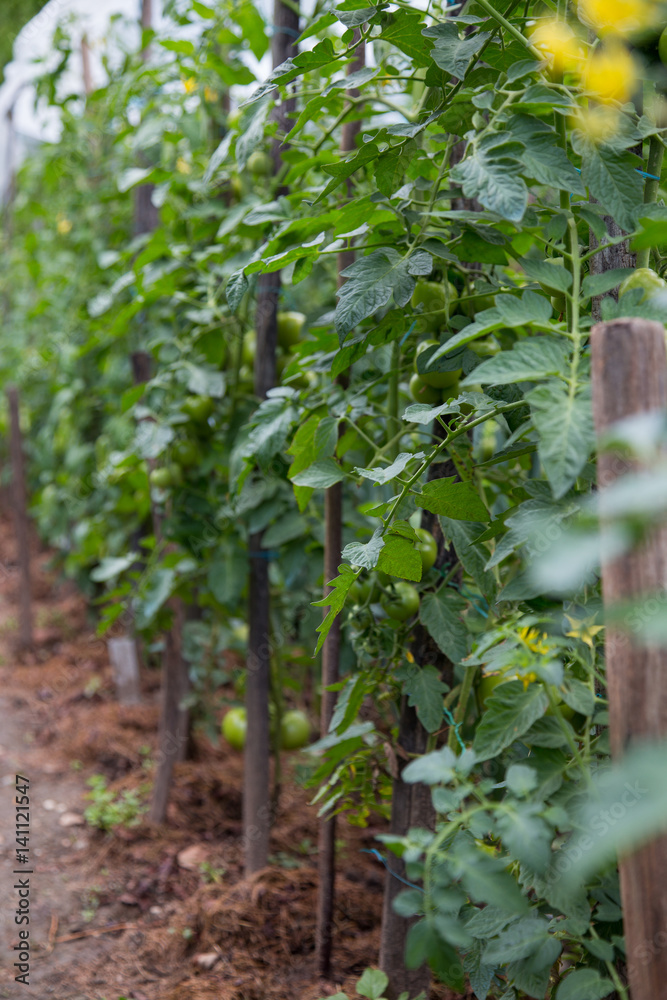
[{"x": 502, "y": 195}]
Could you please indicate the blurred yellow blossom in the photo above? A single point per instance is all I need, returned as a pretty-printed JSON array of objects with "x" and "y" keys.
[
  {"x": 63, "y": 225},
  {"x": 533, "y": 640},
  {"x": 620, "y": 17},
  {"x": 611, "y": 74},
  {"x": 583, "y": 629},
  {"x": 189, "y": 85},
  {"x": 598, "y": 123},
  {"x": 210, "y": 94},
  {"x": 559, "y": 43},
  {"x": 183, "y": 166}
]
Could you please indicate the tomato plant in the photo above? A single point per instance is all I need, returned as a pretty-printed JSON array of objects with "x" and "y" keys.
[{"x": 435, "y": 284}]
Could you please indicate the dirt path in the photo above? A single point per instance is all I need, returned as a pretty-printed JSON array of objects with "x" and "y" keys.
[
  {"x": 193, "y": 928},
  {"x": 59, "y": 885}
]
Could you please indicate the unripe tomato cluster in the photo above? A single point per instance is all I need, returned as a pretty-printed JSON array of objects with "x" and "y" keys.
[
  {"x": 290, "y": 327},
  {"x": 434, "y": 303},
  {"x": 398, "y": 598},
  {"x": 294, "y": 729}
]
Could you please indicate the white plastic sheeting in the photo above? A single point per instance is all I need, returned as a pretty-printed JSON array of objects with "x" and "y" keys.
[{"x": 23, "y": 122}]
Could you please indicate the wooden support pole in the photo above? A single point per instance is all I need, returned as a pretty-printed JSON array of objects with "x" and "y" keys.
[
  {"x": 21, "y": 529},
  {"x": 85, "y": 65},
  {"x": 256, "y": 776},
  {"x": 125, "y": 666},
  {"x": 629, "y": 378},
  {"x": 333, "y": 544}
]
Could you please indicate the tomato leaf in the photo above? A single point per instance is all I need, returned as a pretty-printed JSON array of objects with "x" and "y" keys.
[
  {"x": 510, "y": 712},
  {"x": 457, "y": 500},
  {"x": 440, "y": 614}
]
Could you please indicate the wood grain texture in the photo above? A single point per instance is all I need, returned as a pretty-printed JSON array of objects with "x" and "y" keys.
[
  {"x": 630, "y": 377},
  {"x": 333, "y": 542},
  {"x": 256, "y": 779}
]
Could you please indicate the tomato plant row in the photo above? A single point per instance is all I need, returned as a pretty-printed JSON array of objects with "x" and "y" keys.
[{"x": 503, "y": 189}]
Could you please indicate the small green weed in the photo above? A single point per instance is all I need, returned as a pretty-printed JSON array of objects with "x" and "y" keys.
[{"x": 109, "y": 810}]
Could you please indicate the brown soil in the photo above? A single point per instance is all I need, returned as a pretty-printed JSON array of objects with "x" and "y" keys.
[{"x": 178, "y": 912}]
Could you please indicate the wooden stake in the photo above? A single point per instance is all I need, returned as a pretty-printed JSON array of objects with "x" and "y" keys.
[
  {"x": 85, "y": 66},
  {"x": 125, "y": 666},
  {"x": 630, "y": 377},
  {"x": 333, "y": 543},
  {"x": 256, "y": 777},
  {"x": 21, "y": 524}
]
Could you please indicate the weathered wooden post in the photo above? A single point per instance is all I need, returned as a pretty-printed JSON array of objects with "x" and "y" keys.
[
  {"x": 630, "y": 377},
  {"x": 256, "y": 770},
  {"x": 20, "y": 512},
  {"x": 125, "y": 666},
  {"x": 333, "y": 545}
]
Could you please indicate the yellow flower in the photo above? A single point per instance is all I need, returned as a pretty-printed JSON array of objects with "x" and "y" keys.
[
  {"x": 611, "y": 74},
  {"x": 210, "y": 94},
  {"x": 619, "y": 17},
  {"x": 189, "y": 85},
  {"x": 409, "y": 657},
  {"x": 559, "y": 44},
  {"x": 63, "y": 225},
  {"x": 598, "y": 123},
  {"x": 531, "y": 637},
  {"x": 183, "y": 166},
  {"x": 583, "y": 628}
]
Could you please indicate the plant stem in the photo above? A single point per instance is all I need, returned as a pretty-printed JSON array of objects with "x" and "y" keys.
[
  {"x": 656, "y": 153},
  {"x": 393, "y": 425},
  {"x": 461, "y": 429},
  {"x": 510, "y": 29},
  {"x": 459, "y": 714}
]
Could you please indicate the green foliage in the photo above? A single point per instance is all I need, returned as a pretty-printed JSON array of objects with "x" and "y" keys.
[
  {"x": 472, "y": 171},
  {"x": 109, "y": 810}
]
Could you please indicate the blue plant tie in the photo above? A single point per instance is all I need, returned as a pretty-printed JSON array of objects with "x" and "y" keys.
[
  {"x": 284, "y": 30},
  {"x": 376, "y": 854},
  {"x": 264, "y": 554},
  {"x": 457, "y": 725},
  {"x": 466, "y": 593},
  {"x": 406, "y": 335},
  {"x": 651, "y": 177}
]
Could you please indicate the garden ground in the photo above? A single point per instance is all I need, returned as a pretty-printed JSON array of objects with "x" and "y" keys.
[{"x": 188, "y": 925}]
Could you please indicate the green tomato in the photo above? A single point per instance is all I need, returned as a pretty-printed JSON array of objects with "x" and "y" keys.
[
  {"x": 234, "y": 118},
  {"x": 236, "y": 187},
  {"x": 175, "y": 474},
  {"x": 477, "y": 302},
  {"x": 290, "y": 327},
  {"x": 662, "y": 47},
  {"x": 235, "y": 727},
  {"x": 294, "y": 730},
  {"x": 401, "y": 602},
  {"x": 423, "y": 393},
  {"x": 260, "y": 163},
  {"x": 198, "y": 408},
  {"x": 160, "y": 478},
  {"x": 558, "y": 304},
  {"x": 645, "y": 278},
  {"x": 360, "y": 591},
  {"x": 439, "y": 380},
  {"x": 438, "y": 302},
  {"x": 240, "y": 632},
  {"x": 427, "y": 547},
  {"x": 249, "y": 348},
  {"x": 186, "y": 453},
  {"x": 558, "y": 298}
]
